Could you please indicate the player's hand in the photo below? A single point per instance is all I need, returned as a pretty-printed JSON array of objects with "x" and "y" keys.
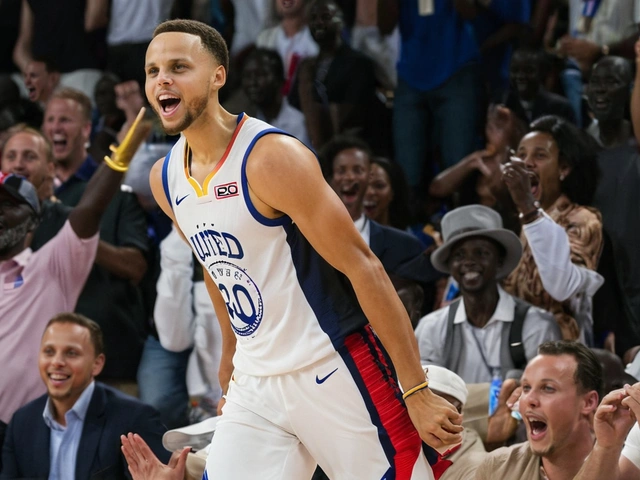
[
  {"x": 437, "y": 421},
  {"x": 612, "y": 420},
  {"x": 144, "y": 465}
]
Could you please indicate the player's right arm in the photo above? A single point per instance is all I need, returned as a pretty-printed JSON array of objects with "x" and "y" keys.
[{"x": 228, "y": 337}]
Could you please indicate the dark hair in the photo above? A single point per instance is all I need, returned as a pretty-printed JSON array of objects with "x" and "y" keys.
[
  {"x": 337, "y": 144},
  {"x": 274, "y": 61},
  {"x": 576, "y": 150},
  {"x": 211, "y": 40},
  {"x": 50, "y": 64},
  {"x": 399, "y": 208},
  {"x": 588, "y": 375},
  {"x": 75, "y": 318}
]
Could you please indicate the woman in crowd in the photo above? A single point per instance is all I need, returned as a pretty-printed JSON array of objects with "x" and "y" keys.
[
  {"x": 386, "y": 200},
  {"x": 551, "y": 182},
  {"x": 503, "y": 132}
]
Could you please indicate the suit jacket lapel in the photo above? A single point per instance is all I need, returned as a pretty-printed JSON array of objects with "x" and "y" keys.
[
  {"x": 91, "y": 433},
  {"x": 376, "y": 238}
]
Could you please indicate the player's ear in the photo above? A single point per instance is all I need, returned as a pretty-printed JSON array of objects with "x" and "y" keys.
[{"x": 219, "y": 77}]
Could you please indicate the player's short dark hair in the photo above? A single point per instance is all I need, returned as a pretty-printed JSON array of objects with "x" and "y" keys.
[
  {"x": 588, "y": 374},
  {"x": 95, "y": 331},
  {"x": 211, "y": 40}
]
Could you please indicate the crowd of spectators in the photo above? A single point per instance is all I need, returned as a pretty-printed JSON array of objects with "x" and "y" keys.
[{"x": 486, "y": 150}]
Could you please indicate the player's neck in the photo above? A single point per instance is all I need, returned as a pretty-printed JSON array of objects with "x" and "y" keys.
[{"x": 209, "y": 135}]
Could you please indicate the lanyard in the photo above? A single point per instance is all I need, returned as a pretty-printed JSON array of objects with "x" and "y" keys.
[{"x": 490, "y": 369}]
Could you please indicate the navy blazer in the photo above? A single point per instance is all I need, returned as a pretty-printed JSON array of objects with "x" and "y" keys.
[
  {"x": 25, "y": 453},
  {"x": 401, "y": 253}
]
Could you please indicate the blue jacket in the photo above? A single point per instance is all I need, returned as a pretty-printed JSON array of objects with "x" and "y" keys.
[{"x": 25, "y": 453}]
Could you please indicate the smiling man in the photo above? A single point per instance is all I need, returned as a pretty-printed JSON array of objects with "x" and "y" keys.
[
  {"x": 561, "y": 388},
  {"x": 526, "y": 96},
  {"x": 487, "y": 332},
  {"x": 72, "y": 432}
]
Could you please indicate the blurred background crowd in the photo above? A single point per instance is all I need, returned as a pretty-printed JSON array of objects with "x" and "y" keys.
[{"x": 415, "y": 108}]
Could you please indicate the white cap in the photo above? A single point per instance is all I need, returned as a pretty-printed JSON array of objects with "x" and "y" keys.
[{"x": 446, "y": 381}]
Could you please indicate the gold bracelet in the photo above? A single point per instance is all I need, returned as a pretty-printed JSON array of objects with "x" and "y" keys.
[{"x": 415, "y": 389}]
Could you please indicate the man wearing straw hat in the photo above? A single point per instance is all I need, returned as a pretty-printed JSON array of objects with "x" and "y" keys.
[{"x": 487, "y": 332}]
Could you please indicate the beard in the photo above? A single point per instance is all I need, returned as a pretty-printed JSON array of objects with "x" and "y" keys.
[
  {"x": 11, "y": 237},
  {"x": 194, "y": 111}
]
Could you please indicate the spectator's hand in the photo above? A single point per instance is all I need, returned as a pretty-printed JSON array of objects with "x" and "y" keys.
[
  {"x": 632, "y": 401},
  {"x": 612, "y": 420},
  {"x": 502, "y": 426},
  {"x": 500, "y": 126},
  {"x": 518, "y": 181},
  {"x": 144, "y": 465},
  {"x": 129, "y": 99},
  {"x": 476, "y": 160},
  {"x": 584, "y": 51},
  {"x": 437, "y": 421}
]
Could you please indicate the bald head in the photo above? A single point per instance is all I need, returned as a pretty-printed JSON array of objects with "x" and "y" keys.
[{"x": 609, "y": 88}]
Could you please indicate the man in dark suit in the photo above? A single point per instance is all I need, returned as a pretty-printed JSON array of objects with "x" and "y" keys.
[
  {"x": 346, "y": 163},
  {"x": 526, "y": 97},
  {"x": 73, "y": 432}
]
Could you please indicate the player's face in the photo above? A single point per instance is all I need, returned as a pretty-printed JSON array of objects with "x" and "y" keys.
[
  {"x": 68, "y": 361},
  {"x": 179, "y": 73}
]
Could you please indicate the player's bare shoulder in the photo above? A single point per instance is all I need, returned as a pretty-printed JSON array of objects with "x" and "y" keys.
[
  {"x": 275, "y": 151},
  {"x": 157, "y": 189}
]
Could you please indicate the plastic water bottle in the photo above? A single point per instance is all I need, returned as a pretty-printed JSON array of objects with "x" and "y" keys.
[{"x": 494, "y": 391}]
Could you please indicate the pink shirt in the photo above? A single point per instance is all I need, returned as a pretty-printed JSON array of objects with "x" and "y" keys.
[{"x": 35, "y": 287}]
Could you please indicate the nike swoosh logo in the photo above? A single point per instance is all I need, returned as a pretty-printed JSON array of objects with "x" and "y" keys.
[
  {"x": 179, "y": 200},
  {"x": 324, "y": 379}
]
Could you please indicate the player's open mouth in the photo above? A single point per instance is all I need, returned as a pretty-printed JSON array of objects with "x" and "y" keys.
[
  {"x": 32, "y": 93},
  {"x": 168, "y": 103}
]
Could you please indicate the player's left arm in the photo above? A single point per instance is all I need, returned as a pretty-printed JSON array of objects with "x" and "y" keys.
[{"x": 285, "y": 177}]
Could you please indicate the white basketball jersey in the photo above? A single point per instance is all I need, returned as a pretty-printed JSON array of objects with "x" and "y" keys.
[{"x": 288, "y": 307}]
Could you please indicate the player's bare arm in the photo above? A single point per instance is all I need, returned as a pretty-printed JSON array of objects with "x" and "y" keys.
[
  {"x": 228, "y": 337},
  {"x": 284, "y": 177}
]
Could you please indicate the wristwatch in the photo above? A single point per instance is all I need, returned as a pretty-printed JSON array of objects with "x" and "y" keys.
[{"x": 531, "y": 215}]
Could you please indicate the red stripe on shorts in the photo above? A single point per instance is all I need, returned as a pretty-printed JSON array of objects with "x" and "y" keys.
[{"x": 383, "y": 390}]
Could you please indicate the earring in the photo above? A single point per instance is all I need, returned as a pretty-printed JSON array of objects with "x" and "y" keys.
[{"x": 561, "y": 177}]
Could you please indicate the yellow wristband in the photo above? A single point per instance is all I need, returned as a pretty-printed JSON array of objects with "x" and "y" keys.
[{"x": 415, "y": 389}]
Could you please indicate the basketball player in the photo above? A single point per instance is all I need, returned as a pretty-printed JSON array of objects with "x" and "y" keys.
[{"x": 294, "y": 285}]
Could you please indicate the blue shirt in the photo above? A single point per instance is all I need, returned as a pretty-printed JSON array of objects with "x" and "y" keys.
[
  {"x": 83, "y": 174},
  {"x": 64, "y": 441},
  {"x": 433, "y": 47}
]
